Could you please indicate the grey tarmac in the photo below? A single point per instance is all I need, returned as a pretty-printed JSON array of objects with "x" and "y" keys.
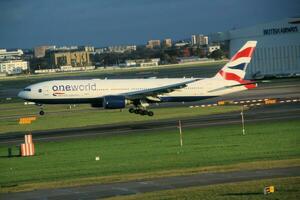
[{"x": 99, "y": 191}]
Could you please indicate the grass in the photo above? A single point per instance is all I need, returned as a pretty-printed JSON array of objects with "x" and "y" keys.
[
  {"x": 285, "y": 188},
  {"x": 149, "y": 154},
  {"x": 84, "y": 115}
]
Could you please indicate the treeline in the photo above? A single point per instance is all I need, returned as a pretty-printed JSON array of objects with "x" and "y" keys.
[{"x": 167, "y": 56}]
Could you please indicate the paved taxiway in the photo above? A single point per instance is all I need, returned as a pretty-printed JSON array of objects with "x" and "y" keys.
[
  {"x": 256, "y": 114},
  {"x": 142, "y": 186}
]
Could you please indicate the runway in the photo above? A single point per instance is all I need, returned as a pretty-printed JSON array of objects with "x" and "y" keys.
[
  {"x": 256, "y": 114},
  {"x": 159, "y": 184},
  {"x": 288, "y": 88}
]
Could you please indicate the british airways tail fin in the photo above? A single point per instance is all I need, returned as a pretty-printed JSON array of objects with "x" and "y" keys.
[{"x": 235, "y": 69}]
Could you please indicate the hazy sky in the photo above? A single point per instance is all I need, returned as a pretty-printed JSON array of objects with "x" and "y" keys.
[{"x": 28, "y": 23}]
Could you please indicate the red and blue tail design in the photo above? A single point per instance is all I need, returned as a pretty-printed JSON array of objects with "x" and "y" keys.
[{"x": 235, "y": 69}]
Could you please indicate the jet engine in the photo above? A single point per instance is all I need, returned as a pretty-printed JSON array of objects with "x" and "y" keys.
[{"x": 114, "y": 102}]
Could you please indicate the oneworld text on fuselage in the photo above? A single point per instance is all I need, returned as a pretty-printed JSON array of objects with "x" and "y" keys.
[{"x": 75, "y": 87}]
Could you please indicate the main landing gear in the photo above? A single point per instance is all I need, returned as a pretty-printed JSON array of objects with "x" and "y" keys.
[{"x": 141, "y": 111}]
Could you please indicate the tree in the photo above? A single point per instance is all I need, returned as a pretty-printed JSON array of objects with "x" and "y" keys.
[{"x": 217, "y": 54}]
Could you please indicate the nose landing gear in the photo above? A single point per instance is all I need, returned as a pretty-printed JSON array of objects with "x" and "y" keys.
[{"x": 41, "y": 112}]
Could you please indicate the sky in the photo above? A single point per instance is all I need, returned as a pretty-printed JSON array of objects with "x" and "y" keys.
[{"x": 29, "y": 23}]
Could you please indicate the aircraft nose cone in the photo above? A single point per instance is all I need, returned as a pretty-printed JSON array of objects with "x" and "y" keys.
[{"x": 22, "y": 95}]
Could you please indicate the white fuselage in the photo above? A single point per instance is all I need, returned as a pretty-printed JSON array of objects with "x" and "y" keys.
[
  {"x": 117, "y": 93},
  {"x": 85, "y": 90}
]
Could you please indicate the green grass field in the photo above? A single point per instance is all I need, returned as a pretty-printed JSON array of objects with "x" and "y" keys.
[
  {"x": 149, "y": 154},
  {"x": 84, "y": 115},
  {"x": 285, "y": 189}
]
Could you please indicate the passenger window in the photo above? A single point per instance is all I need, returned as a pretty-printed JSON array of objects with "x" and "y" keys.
[{"x": 40, "y": 90}]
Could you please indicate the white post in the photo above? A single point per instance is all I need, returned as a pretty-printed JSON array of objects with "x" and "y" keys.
[
  {"x": 243, "y": 121},
  {"x": 180, "y": 132}
]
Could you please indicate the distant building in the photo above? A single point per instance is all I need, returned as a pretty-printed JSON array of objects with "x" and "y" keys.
[
  {"x": 101, "y": 50},
  {"x": 40, "y": 51},
  {"x": 11, "y": 67},
  {"x": 27, "y": 54},
  {"x": 193, "y": 40},
  {"x": 190, "y": 59},
  {"x": 66, "y": 48},
  {"x": 181, "y": 44},
  {"x": 64, "y": 69},
  {"x": 130, "y": 63},
  {"x": 121, "y": 48},
  {"x": 205, "y": 40},
  {"x": 199, "y": 40},
  {"x": 86, "y": 48},
  {"x": 212, "y": 48},
  {"x": 4, "y": 54},
  {"x": 153, "y": 44},
  {"x": 142, "y": 62},
  {"x": 70, "y": 58},
  {"x": 167, "y": 43}
]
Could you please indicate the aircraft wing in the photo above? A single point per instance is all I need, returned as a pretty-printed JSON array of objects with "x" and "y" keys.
[{"x": 153, "y": 92}]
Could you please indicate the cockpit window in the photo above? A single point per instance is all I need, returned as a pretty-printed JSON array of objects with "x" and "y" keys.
[
  {"x": 40, "y": 90},
  {"x": 27, "y": 89}
]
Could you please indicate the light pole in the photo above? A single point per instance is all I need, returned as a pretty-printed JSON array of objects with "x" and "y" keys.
[
  {"x": 180, "y": 133},
  {"x": 243, "y": 121}
]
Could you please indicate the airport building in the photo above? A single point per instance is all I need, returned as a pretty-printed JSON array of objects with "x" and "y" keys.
[
  {"x": 278, "y": 48},
  {"x": 11, "y": 67}
]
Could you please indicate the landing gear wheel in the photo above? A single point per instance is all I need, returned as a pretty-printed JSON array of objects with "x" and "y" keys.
[
  {"x": 137, "y": 111},
  {"x": 150, "y": 113},
  {"x": 42, "y": 112},
  {"x": 131, "y": 110},
  {"x": 143, "y": 112}
]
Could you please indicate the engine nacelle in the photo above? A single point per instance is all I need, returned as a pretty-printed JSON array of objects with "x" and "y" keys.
[{"x": 114, "y": 102}]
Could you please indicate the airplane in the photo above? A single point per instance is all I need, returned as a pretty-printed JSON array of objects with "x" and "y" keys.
[{"x": 140, "y": 93}]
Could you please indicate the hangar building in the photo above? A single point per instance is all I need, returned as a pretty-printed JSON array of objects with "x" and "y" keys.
[{"x": 278, "y": 48}]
